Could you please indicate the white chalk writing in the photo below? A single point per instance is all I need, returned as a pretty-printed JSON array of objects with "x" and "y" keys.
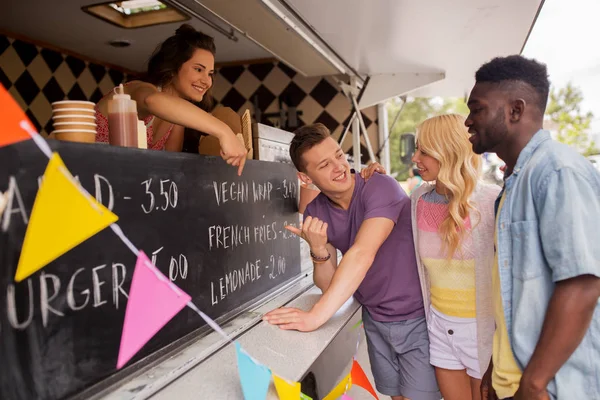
[
  {"x": 234, "y": 281},
  {"x": 277, "y": 266},
  {"x": 262, "y": 191},
  {"x": 233, "y": 191},
  {"x": 168, "y": 191},
  {"x": 98, "y": 180},
  {"x": 51, "y": 290},
  {"x": 178, "y": 268},
  {"x": 11, "y": 194},
  {"x": 289, "y": 189},
  {"x": 265, "y": 233},
  {"x": 227, "y": 236}
]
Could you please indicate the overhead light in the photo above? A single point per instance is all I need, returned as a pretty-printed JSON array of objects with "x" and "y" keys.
[
  {"x": 132, "y": 7},
  {"x": 136, "y": 13},
  {"x": 303, "y": 34}
]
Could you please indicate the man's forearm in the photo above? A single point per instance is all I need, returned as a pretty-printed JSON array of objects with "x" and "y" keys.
[
  {"x": 567, "y": 319},
  {"x": 322, "y": 275},
  {"x": 346, "y": 279},
  {"x": 323, "y": 272}
]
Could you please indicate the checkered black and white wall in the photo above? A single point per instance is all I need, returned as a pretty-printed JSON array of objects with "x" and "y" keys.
[
  {"x": 317, "y": 99},
  {"x": 37, "y": 76}
]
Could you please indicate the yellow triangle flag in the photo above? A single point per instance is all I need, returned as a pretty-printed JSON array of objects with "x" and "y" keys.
[
  {"x": 285, "y": 389},
  {"x": 62, "y": 218},
  {"x": 340, "y": 389}
]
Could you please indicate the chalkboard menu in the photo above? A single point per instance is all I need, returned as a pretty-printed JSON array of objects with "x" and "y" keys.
[{"x": 219, "y": 237}]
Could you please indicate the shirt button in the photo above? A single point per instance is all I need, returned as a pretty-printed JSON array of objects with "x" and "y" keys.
[
  {"x": 506, "y": 263},
  {"x": 450, "y": 332},
  {"x": 502, "y": 225}
]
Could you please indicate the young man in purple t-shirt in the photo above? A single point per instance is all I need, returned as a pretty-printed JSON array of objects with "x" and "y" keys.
[{"x": 370, "y": 223}]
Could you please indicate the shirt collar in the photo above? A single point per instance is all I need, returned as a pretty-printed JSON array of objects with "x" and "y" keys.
[{"x": 540, "y": 137}]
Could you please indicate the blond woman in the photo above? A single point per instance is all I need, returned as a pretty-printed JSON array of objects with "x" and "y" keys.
[{"x": 453, "y": 227}]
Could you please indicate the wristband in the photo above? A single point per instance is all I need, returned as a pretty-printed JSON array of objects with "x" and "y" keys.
[{"x": 319, "y": 260}]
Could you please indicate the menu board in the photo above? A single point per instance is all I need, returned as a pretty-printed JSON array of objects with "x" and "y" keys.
[{"x": 217, "y": 236}]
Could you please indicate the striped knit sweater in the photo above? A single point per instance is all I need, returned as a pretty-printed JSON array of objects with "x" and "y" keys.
[{"x": 452, "y": 280}]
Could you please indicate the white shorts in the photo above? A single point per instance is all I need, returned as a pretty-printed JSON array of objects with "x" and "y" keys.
[{"x": 453, "y": 343}]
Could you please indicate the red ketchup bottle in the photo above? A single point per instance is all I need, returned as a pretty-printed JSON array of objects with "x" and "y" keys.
[{"x": 122, "y": 119}]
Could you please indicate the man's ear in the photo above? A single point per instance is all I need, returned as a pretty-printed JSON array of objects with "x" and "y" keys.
[
  {"x": 517, "y": 110},
  {"x": 304, "y": 178}
]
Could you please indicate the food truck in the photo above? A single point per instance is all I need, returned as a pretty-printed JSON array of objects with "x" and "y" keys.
[{"x": 216, "y": 237}]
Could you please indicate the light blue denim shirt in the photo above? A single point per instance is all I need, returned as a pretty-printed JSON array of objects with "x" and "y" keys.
[{"x": 548, "y": 231}]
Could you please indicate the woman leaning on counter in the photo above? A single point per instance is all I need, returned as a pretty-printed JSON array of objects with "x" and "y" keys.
[{"x": 180, "y": 72}]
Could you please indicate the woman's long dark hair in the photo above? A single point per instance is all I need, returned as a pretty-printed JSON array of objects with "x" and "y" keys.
[{"x": 171, "y": 54}]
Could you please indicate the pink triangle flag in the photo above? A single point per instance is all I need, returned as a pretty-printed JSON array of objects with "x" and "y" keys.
[{"x": 153, "y": 301}]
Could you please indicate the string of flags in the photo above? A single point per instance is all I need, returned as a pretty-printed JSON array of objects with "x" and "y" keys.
[{"x": 65, "y": 215}]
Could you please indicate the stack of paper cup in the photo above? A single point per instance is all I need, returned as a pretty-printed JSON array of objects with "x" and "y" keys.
[{"x": 74, "y": 121}]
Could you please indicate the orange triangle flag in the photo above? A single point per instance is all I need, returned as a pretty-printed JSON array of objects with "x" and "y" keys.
[
  {"x": 11, "y": 116},
  {"x": 359, "y": 378},
  {"x": 62, "y": 217}
]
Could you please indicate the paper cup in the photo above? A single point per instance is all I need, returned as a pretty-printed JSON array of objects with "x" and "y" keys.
[
  {"x": 75, "y": 135},
  {"x": 89, "y": 118},
  {"x": 75, "y": 125},
  {"x": 60, "y": 105},
  {"x": 74, "y": 111}
]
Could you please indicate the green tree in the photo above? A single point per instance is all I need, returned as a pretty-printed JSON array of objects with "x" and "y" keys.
[
  {"x": 571, "y": 124},
  {"x": 415, "y": 111}
]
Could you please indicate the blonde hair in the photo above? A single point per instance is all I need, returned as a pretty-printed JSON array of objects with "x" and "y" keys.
[{"x": 446, "y": 139}]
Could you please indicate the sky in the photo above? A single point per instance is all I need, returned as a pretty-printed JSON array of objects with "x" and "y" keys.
[{"x": 565, "y": 38}]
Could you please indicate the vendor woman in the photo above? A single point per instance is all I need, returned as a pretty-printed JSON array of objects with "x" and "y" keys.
[{"x": 180, "y": 73}]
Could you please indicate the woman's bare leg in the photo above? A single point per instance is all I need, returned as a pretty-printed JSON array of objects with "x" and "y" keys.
[{"x": 454, "y": 384}]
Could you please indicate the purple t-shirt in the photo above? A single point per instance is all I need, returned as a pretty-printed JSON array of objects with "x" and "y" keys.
[{"x": 390, "y": 290}]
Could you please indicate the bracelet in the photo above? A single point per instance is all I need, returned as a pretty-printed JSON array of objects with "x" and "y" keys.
[{"x": 319, "y": 260}]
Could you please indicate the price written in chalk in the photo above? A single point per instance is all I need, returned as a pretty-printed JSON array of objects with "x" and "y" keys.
[
  {"x": 178, "y": 266},
  {"x": 161, "y": 195},
  {"x": 277, "y": 266},
  {"x": 286, "y": 234},
  {"x": 253, "y": 271},
  {"x": 168, "y": 195},
  {"x": 289, "y": 189}
]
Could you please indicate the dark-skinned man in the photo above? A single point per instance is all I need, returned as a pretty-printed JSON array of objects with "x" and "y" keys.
[{"x": 547, "y": 273}]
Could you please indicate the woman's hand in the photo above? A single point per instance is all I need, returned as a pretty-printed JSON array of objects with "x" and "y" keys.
[
  {"x": 371, "y": 169},
  {"x": 233, "y": 152}
]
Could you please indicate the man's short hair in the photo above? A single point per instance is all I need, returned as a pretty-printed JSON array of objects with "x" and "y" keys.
[
  {"x": 518, "y": 74},
  {"x": 305, "y": 138}
]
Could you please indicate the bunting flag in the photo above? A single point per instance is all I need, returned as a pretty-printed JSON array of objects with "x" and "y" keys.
[
  {"x": 285, "y": 389},
  {"x": 340, "y": 389},
  {"x": 359, "y": 378},
  {"x": 153, "y": 301},
  {"x": 345, "y": 397},
  {"x": 63, "y": 216},
  {"x": 356, "y": 325},
  {"x": 305, "y": 397},
  {"x": 11, "y": 116},
  {"x": 254, "y": 377}
]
